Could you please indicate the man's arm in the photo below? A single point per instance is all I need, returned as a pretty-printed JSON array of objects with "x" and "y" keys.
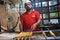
[
  {"x": 35, "y": 25},
  {"x": 21, "y": 23},
  {"x": 38, "y": 18},
  {"x": 38, "y": 22},
  {"x": 21, "y": 27}
]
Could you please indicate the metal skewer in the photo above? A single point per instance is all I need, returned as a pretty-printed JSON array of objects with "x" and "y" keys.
[
  {"x": 51, "y": 33},
  {"x": 44, "y": 34}
]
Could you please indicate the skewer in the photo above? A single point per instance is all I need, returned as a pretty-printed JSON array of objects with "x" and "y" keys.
[
  {"x": 44, "y": 34},
  {"x": 52, "y": 33},
  {"x": 22, "y": 38},
  {"x": 25, "y": 38},
  {"x": 29, "y": 38}
]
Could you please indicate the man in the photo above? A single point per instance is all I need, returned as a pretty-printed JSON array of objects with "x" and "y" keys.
[{"x": 30, "y": 19}]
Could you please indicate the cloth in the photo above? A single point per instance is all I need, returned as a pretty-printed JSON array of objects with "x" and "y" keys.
[{"x": 29, "y": 19}]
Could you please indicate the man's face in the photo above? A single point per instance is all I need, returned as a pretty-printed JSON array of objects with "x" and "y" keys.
[{"x": 28, "y": 6}]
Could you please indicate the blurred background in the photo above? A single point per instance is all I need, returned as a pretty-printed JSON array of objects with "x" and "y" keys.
[
  {"x": 11, "y": 10},
  {"x": 49, "y": 12}
]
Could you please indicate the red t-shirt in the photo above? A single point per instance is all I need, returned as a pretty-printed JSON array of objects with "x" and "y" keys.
[{"x": 29, "y": 19}]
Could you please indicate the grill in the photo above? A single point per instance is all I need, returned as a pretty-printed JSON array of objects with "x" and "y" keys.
[
  {"x": 48, "y": 35},
  {"x": 43, "y": 35}
]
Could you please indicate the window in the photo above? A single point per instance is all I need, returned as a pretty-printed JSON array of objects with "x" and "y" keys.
[
  {"x": 53, "y": 15},
  {"x": 17, "y": 7},
  {"x": 52, "y": 3},
  {"x": 44, "y": 4},
  {"x": 45, "y": 15},
  {"x": 37, "y": 3},
  {"x": 52, "y": 0},
  {"x": 59, "y": 21},
  {"x": 41, "y": 16},
  {"x": 45, "y": 9},
  {"x": 38, "y": 9},
  {"x": 41, "y": 25},
  {"x": 59, "y": 14},
  {"x": 36, "y": 0},
  {"x": 59, "y": 1},
  {"x": 59, "y": 7},
  {"x": 49, "y": 10},
  {"x": 54, "y": 8},
  {"x": 33, "y": 3},
  {"x": 32, "y": 0},
  {"x": 54, "y": 21},
  {"x": 44, "y": 0},
  {"x": 45, "y": 21}
]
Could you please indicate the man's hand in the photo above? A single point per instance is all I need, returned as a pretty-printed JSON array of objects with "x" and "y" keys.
[{"x": 33, "y": 27}]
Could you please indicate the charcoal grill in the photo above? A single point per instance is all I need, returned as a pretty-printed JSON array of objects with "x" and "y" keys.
[{"x": 43, "y": 35}]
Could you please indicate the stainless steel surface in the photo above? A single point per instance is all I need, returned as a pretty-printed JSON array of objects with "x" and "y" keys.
[{"x": 7, "y": 36}]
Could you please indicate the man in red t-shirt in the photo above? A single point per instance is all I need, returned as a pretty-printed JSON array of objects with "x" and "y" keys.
[{"x": 30, "y": 19}]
